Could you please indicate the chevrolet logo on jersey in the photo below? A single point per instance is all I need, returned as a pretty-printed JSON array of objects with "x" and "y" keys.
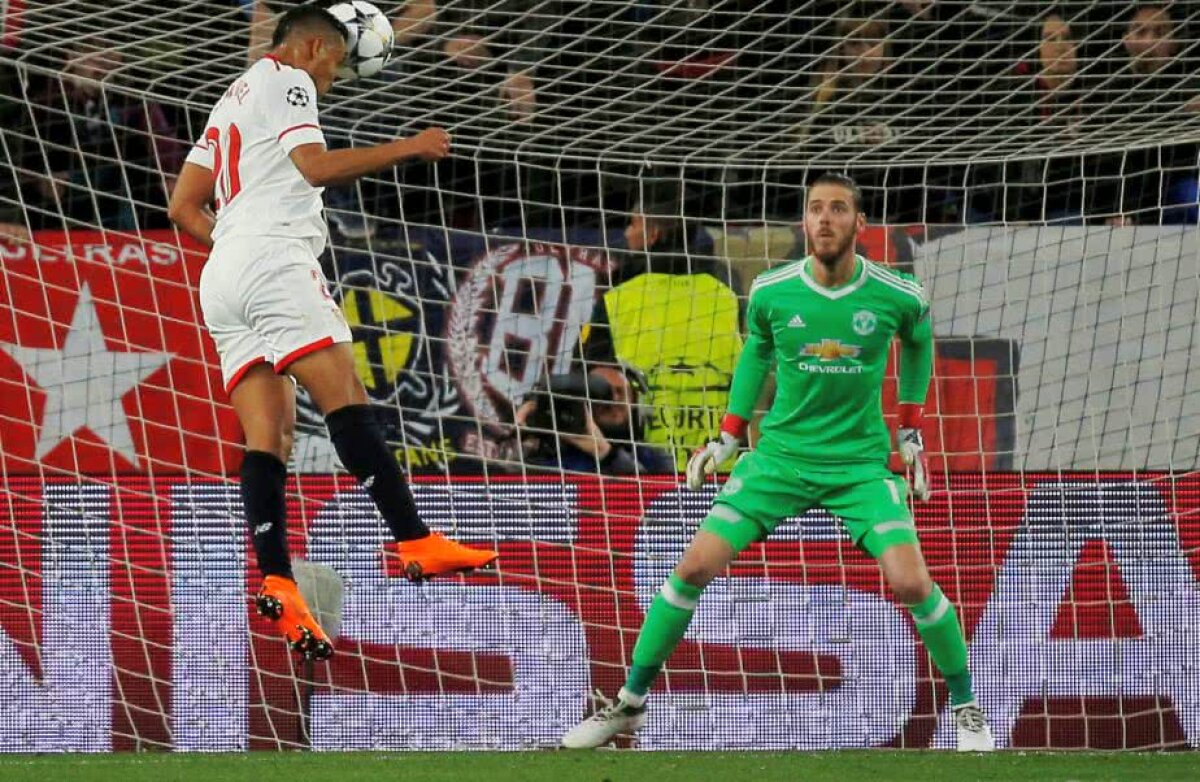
[{"x": 830, "y": 350}]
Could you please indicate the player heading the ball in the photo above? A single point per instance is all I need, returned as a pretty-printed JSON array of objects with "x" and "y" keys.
[
  {"x": 262, "y": 165},
  {"x": 826, "y": 324}
]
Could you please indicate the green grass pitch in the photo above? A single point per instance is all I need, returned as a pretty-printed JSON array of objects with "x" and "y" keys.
[{"x": 605, "y": 766}]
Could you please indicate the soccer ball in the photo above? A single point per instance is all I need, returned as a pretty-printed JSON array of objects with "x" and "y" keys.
[{"x": 369, "y": 46}]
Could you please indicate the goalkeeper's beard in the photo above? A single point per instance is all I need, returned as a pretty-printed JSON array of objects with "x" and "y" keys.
[{"x": 830, "y": 260}]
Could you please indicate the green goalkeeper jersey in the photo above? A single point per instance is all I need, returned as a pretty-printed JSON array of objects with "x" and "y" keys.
[{"x": 830, "y": 347}]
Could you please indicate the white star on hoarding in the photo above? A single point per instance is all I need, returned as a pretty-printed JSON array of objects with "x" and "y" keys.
[{"x": 85, "y": 382}]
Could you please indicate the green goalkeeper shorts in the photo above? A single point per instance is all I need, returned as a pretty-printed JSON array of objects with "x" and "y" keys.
[{"x": 764, "y": 490}]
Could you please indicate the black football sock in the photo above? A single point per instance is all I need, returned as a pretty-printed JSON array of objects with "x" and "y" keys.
[
  {"x": 359, "y": 442},
  {"x": 263, "y": 479}
]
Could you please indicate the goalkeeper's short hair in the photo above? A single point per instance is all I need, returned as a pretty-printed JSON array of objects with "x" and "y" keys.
[{"x": 842, "y": 180}]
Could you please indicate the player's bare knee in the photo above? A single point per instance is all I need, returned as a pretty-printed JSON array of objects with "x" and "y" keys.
[
  {"x": 287, "y": 439},
  {"x": 270, "y": 434},
  {"x": 697, "y": 576},
  {"x": 911, "y": 588},
  {"x": 705, "y": 559},
  {"x": 698, "y": 569},
  {"x": 261, "y": 439},
  {"x": 331, "y": 378}
]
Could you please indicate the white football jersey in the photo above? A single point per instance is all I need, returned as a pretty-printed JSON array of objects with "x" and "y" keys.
[{"x": 266, "y": 113}]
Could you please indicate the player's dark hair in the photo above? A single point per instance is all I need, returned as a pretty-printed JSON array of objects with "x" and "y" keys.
[
  {"x": 1163, "y": 6},
  {"x": 841, "y": 180},
  {"x": 308, "y": 18},
  {"x": 661, "y": 204}
]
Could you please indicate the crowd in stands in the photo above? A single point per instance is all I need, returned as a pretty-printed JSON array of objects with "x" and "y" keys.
[
  {"x": 94, "y": 157},
  {"x": 897, "y": 80},
  {"x": 881, "y": 77}
]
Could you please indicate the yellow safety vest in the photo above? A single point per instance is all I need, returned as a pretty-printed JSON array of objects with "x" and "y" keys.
[{"x": 681, "y": 331}]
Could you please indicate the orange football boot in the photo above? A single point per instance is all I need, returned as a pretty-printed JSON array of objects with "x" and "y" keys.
[
  {"x": 279, "y": 599},
  {"x": 437, "y": 555}
]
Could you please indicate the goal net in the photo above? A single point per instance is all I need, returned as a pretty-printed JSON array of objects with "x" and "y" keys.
[{"x": 1035, "y": 164}]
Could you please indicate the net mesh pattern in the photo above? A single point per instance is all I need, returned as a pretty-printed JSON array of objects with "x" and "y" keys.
[
  {"x": 753, "y": 82},
  {"x": 1062, "y": 422}
]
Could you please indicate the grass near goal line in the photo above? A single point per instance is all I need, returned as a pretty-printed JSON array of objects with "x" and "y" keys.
[{"x": 859, "y": 766}]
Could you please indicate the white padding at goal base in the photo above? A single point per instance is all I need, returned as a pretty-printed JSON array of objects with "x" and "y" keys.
[{"x": 324, "y": 591}]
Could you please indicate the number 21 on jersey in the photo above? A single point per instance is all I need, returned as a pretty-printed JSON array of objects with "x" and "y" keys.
[{"x": 227, "y": 153}]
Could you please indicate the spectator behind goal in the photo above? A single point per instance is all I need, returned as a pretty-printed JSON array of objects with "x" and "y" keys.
[
  {"x": 590, "y": 423},
  {"x": 674, "y": 318},
  {"x": 497, "y": 41},
  {"x": 1159, "y": 69},
  {"x": 1049, "y": 190},
  {"x": 103, "y": 155},
  {"x": 857, "y": 98}
]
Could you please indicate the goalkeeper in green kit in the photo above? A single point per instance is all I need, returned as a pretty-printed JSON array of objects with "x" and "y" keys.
[{"x": 826, "y": 323}]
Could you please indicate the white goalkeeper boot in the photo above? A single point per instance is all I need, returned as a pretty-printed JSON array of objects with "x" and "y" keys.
[
  {"x": 627, "y": 715},
  {"x": 974, "y": 735}
]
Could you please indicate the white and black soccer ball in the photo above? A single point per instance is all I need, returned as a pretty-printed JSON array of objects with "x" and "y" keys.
[{"x": 369, "y": 45}]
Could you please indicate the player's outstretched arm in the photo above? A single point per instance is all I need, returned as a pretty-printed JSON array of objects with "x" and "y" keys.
[
  {"x": 322, "y": 167},
  {"x": 189, "y": 207}
]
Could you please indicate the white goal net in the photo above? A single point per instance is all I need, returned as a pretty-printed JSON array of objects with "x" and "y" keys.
[{"x": 1036, "y": 164}]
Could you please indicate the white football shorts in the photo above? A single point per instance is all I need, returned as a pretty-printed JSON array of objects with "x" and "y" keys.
[{"x": 265, "y": 299}]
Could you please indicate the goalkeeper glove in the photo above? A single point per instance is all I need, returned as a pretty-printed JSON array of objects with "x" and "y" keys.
[
  {"x": 705, "y": 460},
  {"x": 911, "y": 445}
]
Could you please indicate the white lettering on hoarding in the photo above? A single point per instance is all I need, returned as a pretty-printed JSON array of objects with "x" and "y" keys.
[
  {"x": 544, "y": 638},
  {"x": 1012, "y": 655},
  {"x": 210, "y": 638},
  {"x": 546, "y": 512},
  {"x": 18, "y": 253},
  {"x": 1013, "y": 659},
  {"x": 544, "y": 349},
  {"x": 132, "y": 253},
  {"x": 70, "y": 710}
]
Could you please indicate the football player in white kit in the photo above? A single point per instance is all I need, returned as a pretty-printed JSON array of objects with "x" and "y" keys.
[{"x": 261, "y": 166}]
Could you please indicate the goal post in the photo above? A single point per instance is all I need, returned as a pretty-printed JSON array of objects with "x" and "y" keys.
[{"x": 1037, "y": 171}]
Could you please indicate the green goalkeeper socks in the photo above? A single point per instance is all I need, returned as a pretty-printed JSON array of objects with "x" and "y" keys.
[
  {"x": 666, "y": 622},
  {"x": 937, "y": 623},
  {"x": 672, "y": 608}
]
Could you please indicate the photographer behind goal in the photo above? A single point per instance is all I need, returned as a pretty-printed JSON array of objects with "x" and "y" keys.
[{"x": 587, "y": 422}]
